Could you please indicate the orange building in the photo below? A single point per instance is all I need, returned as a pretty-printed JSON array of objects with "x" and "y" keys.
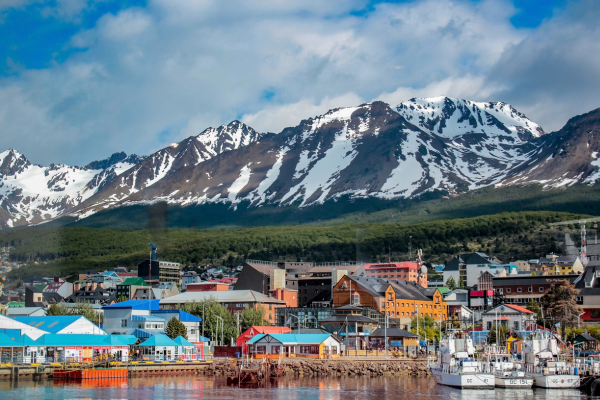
[
  {"x": 207, "y": 287},
  {"x": 406, "y": 271},
  {"x": 400, "y": 300},
  {"x": 290, "y": 297}
]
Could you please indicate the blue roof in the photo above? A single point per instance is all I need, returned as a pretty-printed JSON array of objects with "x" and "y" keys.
[
  {"x": 306, "y": 338},
  {"x": 159, "y": 340},
  {"x": 146, "y": 333},
  {"x": 6, "y": 341},
  {"x": 150, "y": 318},
  {"x": 25, "y": 340},
  {"x": 73, "y": 339},
  {"x": 181, "y": 341},
  {"x": 130, "y": 339},
  {"x": 52, "y": 324},
  {"x": 183, "y": 316},
  {"x": 136, "y": 305}
]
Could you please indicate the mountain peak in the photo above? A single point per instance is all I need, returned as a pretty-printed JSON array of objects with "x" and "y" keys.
[{"x": 12, "y": 162}]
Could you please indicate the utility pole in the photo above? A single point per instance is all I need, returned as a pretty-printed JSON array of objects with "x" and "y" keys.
[{"x": 385, "y": 334}]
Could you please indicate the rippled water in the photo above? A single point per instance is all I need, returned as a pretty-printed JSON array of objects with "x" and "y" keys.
[{"x": 192, "y": 387}]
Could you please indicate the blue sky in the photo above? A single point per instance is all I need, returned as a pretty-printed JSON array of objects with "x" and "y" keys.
[{"x": 80, "y": 79}]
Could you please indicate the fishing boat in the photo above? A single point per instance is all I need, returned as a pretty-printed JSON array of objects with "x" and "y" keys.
[
  {"x": 542, "y": 361},
  {"x": 508, "y": 372},
  {"x": 457, "y": 367}
]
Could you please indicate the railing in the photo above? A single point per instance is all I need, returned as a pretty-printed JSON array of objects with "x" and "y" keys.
[{"x": 261, "y": 262}]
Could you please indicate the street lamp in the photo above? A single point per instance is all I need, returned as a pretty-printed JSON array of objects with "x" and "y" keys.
[{"x": 217, "y": 332}]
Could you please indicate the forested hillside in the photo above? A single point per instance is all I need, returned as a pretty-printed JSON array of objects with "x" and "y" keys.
[{"x": 62, "y": 251}]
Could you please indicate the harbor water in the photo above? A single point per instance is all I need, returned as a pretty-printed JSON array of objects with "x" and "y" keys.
[{"x": 288, "y": 388}]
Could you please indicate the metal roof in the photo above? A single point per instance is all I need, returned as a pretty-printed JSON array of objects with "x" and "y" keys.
[
  {"x": 150, "y": 318},
  {"x": 229, "y": 296},
  {"x": 159, "y": 340},
  {"x": 136, "y": 305},
  {"x": 181, "y": 341},
  {"x": 183, "y": 315},
  {"x": 69, "y": 339},
  {"x": 6, "y": 341},
  {"x": 52, "y": 324},
  {"x": 294, "y": 338}
]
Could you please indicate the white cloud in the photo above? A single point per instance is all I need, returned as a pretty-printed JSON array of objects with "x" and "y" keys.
[
  {"x": 143, "y": 78},
  {"x": 276, "y": 118}
]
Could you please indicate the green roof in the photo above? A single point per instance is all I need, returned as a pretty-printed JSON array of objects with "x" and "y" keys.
[
  {"x": 40, "y": 287},
  {"x": 134, "y": 281},
  {"x": 443, "y": 290}
]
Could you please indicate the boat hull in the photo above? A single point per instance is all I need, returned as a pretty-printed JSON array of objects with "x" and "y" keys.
[
  {"x": 514, "y": 382},
  {"x": 466, "y": 381},
  {"x": 556, "y": 381}
]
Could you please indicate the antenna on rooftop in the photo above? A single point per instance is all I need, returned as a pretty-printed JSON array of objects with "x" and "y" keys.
[{"x": 410, "y": 248}]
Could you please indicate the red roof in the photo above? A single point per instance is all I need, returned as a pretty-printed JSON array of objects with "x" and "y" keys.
[
  {"x": 257, "y": 330},
  {"x": 519, "y": 308}
]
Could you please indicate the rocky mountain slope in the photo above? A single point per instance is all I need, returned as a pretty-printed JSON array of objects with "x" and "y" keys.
[{"x": 373, "y": 150}]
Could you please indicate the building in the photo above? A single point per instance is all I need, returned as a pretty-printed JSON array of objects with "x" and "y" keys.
[
  {"x": 170, "y": 286},
  {"x": 234, "y": 300},
  {"x": 305, "y": 345},
  {"x": 257, "y": 330},
  {"x": 349, "y": 324},
  {"x": 302, "y": 317},
  {"x": 588, "y": 298},
  {"x": 511, "y": 316},
  {"x": 155, "y": 271},
  {"x": 406, "y": 271},
  {"x": 129, "y": 287},
  {"x": 207, "y": 287},
  {"x": 93, "y": 294},
  {"x": 521, "y": 289},
  {"x": 558, "y": 265},
  {"x": 64, "y": 324},
  {"x": 86, "y": 275},
  {"x": 25, "y": 312},
  {"x": 585, "y": 344},
  {"x": 523, "y": 265},
  {"x": 468, "y": 267},
  {"x": 289, "y": 296},
  {"x": 407, "y": 342},
  {"x": 399, "y": 300},
  {"x": 17, "y": 328},
  {"x": 316, "y": 284},
  {"x": 189, "y": 277},
  {"x": 59, "y": 286}
]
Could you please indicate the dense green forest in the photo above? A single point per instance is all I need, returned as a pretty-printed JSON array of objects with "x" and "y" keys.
[
  {"x": 62, "y": 251},
  {"x": 429, "y": 207}
]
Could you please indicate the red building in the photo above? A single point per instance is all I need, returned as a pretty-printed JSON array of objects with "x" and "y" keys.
[
  {"x": 405, "y": 271},
  {"x": 257, "y": 330}
]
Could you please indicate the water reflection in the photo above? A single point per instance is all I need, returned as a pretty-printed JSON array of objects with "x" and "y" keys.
[{"x": 192, "y": 387}]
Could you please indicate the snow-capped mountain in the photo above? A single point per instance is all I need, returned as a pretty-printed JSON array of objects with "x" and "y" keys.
[{"x": 373, "y": 150}]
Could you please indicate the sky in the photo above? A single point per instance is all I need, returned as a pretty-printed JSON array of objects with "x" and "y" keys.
[{"x": 82, "y": 79}]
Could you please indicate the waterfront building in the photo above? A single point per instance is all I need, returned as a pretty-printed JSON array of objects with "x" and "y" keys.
[
  {"x": 63, "y": 324},
  {"x": 234, "y": 300},
  {"x": 159, "y": 348},
  {"x": 256, "y": 330},
  {"x": 349, "y": 324},
  {"x": 399, "y": 300},
  {"x": 406, "y": 271},
  {"x": 186, "y": 351},
  {"x": 16, "y": 328},
  {"x": 305, "y": 345},
  {"x": 407, "y": 342}
]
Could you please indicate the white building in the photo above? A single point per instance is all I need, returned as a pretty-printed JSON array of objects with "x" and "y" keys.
[
  {"x": 468, "y": 267},
  {"x": 10, "y": 324},
  {"x": 510, "y": 316},
  {"x": 63, "y": 324}
]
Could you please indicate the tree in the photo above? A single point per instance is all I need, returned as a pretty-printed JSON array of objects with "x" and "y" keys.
[
  {"x": 427, "y": 327},
  {"x": 500, "y": 338},
  {"x": 559, "y": 303},
  {"x": 253, "y": 317},
  {"x": 84, "y": 309},
  {"x": 175, "y": 328},
  {"x": 451, "y": 283},
  {"x": 535, "y": 307},
  {"x": 461, "y": 283},
  {"x": 121, "y": 298},
  {"x": 212, "y": 324}
]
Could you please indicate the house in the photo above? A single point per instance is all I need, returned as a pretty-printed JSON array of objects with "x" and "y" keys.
[
  {"x": 274, "y": 345},
  {"x": 233, "y": 300},
  {"x": 159, "y": 347},
  {"x": 93, "y": 294},
  {"x": 396, "y": 338},
  {"x": 585, "y": 344},
  {"x": 60, "y": 287},
  {"x": 63, "y": 324},
  {"x": 467, "y": 267},
  {"x": 349, "y": 323},
  {"x": 399, "y": 300},
  {"x": 170, "y": 286},
  {"x": 553, "y": 264},
  {"x": 511, "y": 316},
  {"x": 588, "y": 298},
  {"x": 257, "y": 330},
  {"x": 129, "y": 286},
  {"x": 189, "y": 277}
]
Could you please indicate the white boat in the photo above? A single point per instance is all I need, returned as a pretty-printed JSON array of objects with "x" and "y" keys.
[
  {"x": 457, "y": 368},
  {"x": 508, "y": 372},
  {"x": 541, "y": 354}
]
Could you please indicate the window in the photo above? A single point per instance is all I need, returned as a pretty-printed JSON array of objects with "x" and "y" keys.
[
  {"x": 334, "y": 349},
  {"x": 489, "y": 325},
  {"x": 541, "y": 289},
  {"x": 314, "y": 349},
  {"x": 519, "y": 290},
  {"x": 192, "y": 331},
  {"x": 507, "y": 290},
  {"x": 123, "y": 323},
  {"x": 516, "y": 325},
  {"x": 304, "y": 349},
  {"x": 275, "y": 349},
  {"x": 530, "y": 289},
  {"x": 261, "y": 349}
]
